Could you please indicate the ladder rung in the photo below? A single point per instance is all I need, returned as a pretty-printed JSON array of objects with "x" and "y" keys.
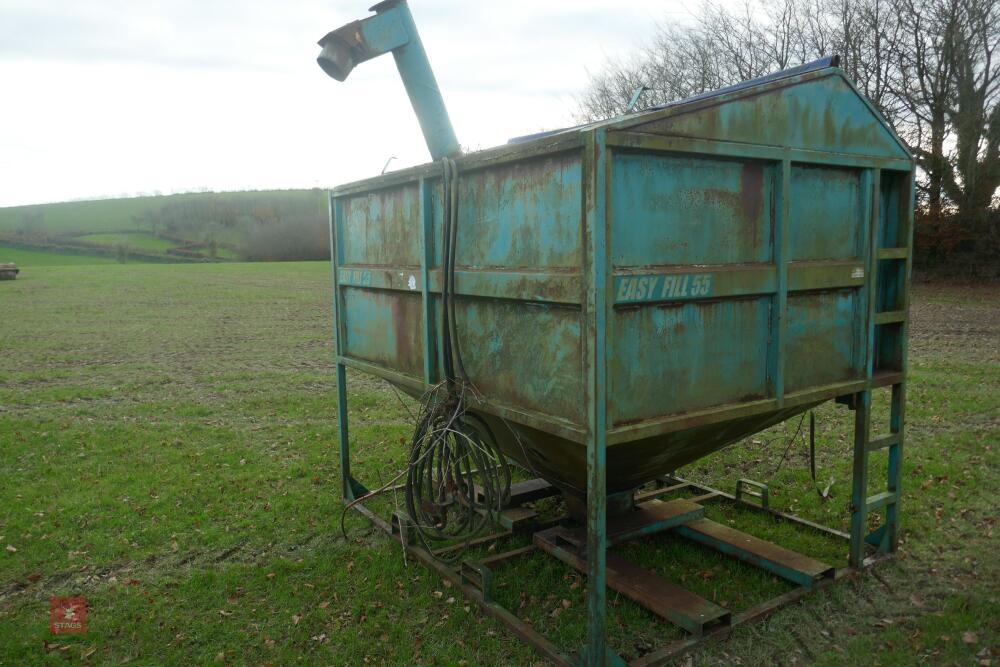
[
  {"x": 881, "y": 500},
  {"x": 890, "y": 317},
  {"x": 893, "y": 253},
  {"x": 883, "y": 442}
]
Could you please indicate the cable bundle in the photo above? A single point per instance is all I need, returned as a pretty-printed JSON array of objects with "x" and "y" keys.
[{"x": 457, "y": 479}]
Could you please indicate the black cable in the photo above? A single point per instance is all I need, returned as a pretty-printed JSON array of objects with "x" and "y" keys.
[
  {"x": 788, "y": 447},
  {"x": 825, "y": 493},
  {"x": 446, "y": 220},
  {"x": 457, "y": 479}
]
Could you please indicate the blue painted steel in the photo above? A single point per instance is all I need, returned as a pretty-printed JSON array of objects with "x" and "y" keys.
[
  {"x": 392, "y": 30},
  {"x": 742, "y": 281},
  {"x": 597, "y": 303},
  {"x": 818, "y": 64},
  {"x": 636, "y": 294}
]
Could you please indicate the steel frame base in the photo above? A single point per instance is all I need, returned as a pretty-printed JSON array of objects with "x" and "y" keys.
[{"x": 475, "y": 578}]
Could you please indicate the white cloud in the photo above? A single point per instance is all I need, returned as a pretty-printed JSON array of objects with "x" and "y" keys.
[{"x": 124, "y": 97}]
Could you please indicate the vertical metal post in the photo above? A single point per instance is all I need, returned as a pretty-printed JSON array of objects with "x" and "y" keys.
[
  {"x": 779, "y": 307},
  {"x": 895, "y": 465},
  {"x": 338, "y": 342},
  {"x": 859, "y": 491},
  {"x": 595, "y": 310},
  {"x": 345, "y": 446},
  {"x": 871, "y": 260},
  {"x": 865, "y": 213}
]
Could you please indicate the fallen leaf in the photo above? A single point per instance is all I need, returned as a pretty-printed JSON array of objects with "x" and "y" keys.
[
  {"x": 970, "y": 638},
  {"x": 295, "y": 619},
  {"x": 11, "y": 549},
  {"x": 324, "y": 604}
]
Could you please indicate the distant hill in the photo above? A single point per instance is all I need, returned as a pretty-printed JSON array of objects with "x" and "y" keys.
[{"x": 259, "y": 225}]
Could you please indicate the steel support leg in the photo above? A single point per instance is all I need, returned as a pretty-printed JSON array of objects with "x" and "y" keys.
[
  {"x": 345, "y": 446},
  {"x": 859, "y": 492},
  {"x": 597, "y": 543}
]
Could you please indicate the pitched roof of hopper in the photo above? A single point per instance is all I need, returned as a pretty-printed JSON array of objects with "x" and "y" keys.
[{"x": 814, "y": 106}]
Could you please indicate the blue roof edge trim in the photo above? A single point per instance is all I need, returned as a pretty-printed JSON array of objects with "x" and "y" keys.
[{"x": 822, "y": 63}]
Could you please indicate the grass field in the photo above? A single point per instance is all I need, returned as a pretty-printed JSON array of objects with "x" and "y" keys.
[
  {"x": 136, "y": 240},
  {"x": 168, "y": 450}
]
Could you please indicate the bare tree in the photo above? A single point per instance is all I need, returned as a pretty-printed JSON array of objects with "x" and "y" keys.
[
  {"x": 926, "y": 87},
  {"x": 975, "y": 112},
  {"x": 931, "y": 67}
]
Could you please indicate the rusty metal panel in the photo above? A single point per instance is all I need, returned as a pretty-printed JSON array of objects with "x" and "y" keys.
[
  {"x": 826, "y": 213},
  {"x": 676, "y": 211},
  {"x": 521, "y": 215},
  {"x": 385, "y": 328},
  {"x": 672, "y": 358},
  {"x": 381, "y": 228},
  {"x": 824, "y": 115},
  {"x": 523, "y": 355},
  {"x": 821, "y": 343}
]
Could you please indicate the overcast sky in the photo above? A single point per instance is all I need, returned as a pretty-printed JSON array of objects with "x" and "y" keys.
[{"x": 110, "y": 97}]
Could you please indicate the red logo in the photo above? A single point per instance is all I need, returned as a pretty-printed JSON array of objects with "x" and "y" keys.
[{"x": 67, "y": 615}]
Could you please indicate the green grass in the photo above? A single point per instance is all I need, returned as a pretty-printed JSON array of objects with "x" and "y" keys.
[
  {"x": 137, "y": 240},
  {"x": 168, "y": 450},
  {"x": 32, "y": 258}
]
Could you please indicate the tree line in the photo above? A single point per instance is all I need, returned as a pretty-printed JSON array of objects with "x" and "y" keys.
[{"x": 266, "y": 227}]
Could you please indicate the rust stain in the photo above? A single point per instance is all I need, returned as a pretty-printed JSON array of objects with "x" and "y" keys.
[
  {"x": 752, "y": 191},
  {"x": 403, "y": 326}
]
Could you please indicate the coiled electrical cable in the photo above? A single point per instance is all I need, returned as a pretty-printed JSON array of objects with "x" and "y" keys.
[{"x": 457, "y": 480}]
